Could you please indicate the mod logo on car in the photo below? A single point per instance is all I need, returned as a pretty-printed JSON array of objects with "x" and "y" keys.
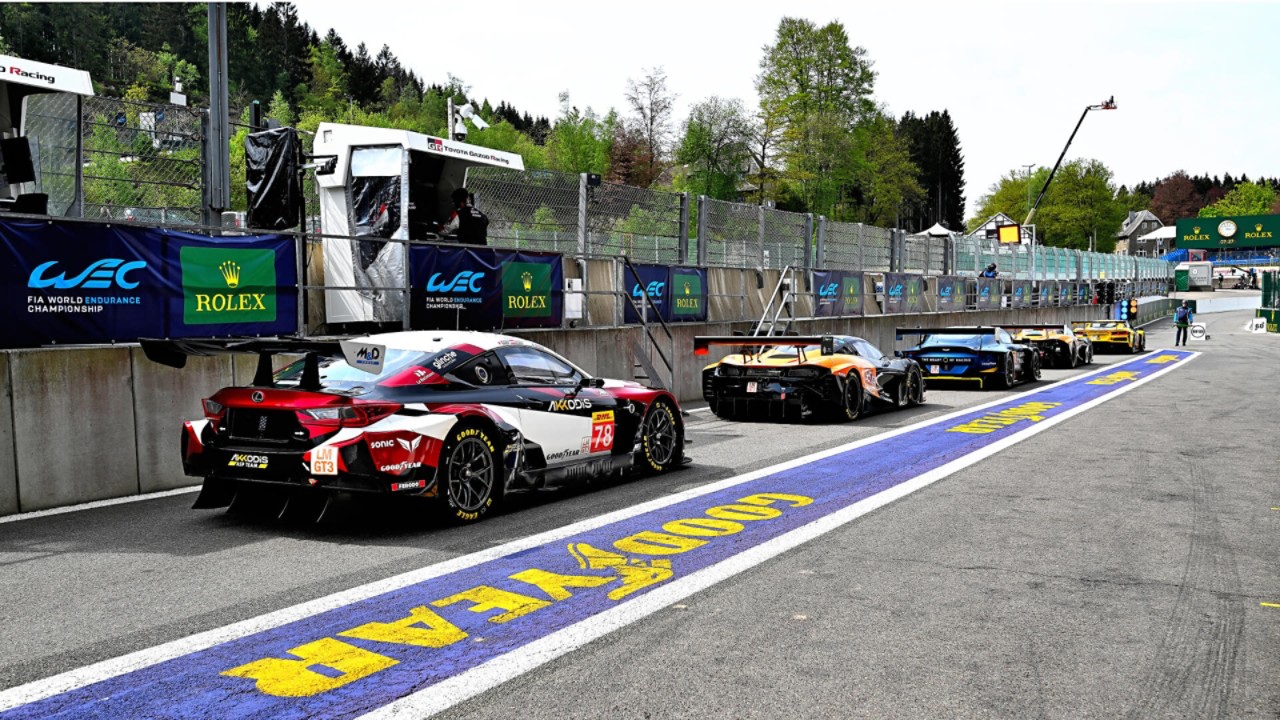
[{"x": 222, "y": 286}]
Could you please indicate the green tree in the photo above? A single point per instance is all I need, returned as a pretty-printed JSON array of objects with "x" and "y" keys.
[
  {"x": 580, "y": 141},
  {"x": 1244, "y": 199},
  {"x": 715, "y": 147},
  {"x": 889, "y": 177},
  {"x": 935, "y": 149},
  {"x": 652, "y": 104}
]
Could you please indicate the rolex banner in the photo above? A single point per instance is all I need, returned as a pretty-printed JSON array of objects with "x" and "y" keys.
[
  {"x": 903, "y": 293},
  {"x": 837, "y": 293},
  {"x": 483, "y": 289},
  {"x": 85, "y": 283},
  {"x": 678, "y": 293}
]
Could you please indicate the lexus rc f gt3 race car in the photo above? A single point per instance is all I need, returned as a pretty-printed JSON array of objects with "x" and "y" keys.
[
  {"x": 462, "y": 417},
  {"x": 1112, "y": 335},
  {"x": 789, "y": 377},
  {"x": 973, "y": 354},
  {"x": 1058, "y": 345}
]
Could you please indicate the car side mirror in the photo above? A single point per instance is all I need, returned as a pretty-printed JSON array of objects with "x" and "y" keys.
[
  {"x": 587, "y": 382},
  {"x": 897, "y": 353}
]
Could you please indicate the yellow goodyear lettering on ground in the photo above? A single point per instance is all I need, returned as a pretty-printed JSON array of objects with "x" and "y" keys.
[
  {"x": 295, "y": 678},
  {"x": 1116, "y": 378},
  {"x": 424, "y": 627},
  {"x": 991, "y": 422},
  {"x": 1162, "y": 359}
]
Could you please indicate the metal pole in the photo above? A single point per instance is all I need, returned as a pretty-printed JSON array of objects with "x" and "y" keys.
[
  {"x": 820, "y": 250},
  {"x": 219, "y": 138},
  {"x": 582, "y": 212},
  {"x": 1108, "y": 105},
  {"x": 702, "y": 231},
  {"x": 808, "y": 240},
  {"x": 760, "y": 234},
  {"x": 79, "y": 156},
  {"x": 683, "y": 245}
]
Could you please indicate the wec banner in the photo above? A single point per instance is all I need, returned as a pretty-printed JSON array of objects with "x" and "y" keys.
[
  {"x": 679, "y": 293},
  {"x": 68, "y": 283},
  {"x": 950, "y": 293},
  {"x": 1021, "y": 293},
  {"x": 482, "y": 289},
  {"x": 988, "y": 294},
  {"x": 837, "y": 293},
  {"x": 903, "y": 293}
]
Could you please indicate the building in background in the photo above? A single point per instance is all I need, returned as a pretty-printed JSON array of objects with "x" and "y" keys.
[{"x": 1132, "y": 240}]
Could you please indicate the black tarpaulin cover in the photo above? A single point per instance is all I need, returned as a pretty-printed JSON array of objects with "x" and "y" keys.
[{"x": 271, "y": 177}]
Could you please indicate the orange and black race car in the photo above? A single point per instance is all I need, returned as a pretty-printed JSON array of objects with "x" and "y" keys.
[
  {"x": 786, "y": 377},
  {"x": 1117, "y": 334},
  {"x": 1058, "y": 345}
]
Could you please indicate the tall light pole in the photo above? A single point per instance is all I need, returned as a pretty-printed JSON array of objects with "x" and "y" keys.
[
  {"x": 1108, "y": 104},
  {"x": 1027, "y": 169}
]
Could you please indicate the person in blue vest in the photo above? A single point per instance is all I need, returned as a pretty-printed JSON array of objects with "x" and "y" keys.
[
  {"x": 990, "y": 272},
  {"x": 1182, "y": 319}
]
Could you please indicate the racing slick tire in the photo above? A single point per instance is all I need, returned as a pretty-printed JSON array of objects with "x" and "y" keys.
[
  {"x": 470, "y": 473},
  {"x": 1074, "y": 362},
  {"x": 914, "y": 383},
  {"x": 1007, "y": 377},
  {"x": 1036, "y": 368},
  {"x": 661, "y": 438},
  {"x": 723, "y": 410},
  {"x": 853, "y": 399},
  {"x": 1088, "y": 355}
]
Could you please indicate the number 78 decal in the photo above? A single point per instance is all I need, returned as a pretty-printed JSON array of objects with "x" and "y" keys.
[{"x": 602, "y": 429}]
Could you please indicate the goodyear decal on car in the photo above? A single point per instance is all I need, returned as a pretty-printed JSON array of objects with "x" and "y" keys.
[{"x": 417, "y": 643}]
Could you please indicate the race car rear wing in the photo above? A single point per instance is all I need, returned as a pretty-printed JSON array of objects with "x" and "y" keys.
[
  {"x": 702, "y": 344},
  {"x": 1041, "y": 326},
  {"x": 984, "y": 330},
  {"x": 362, "y": 356}
]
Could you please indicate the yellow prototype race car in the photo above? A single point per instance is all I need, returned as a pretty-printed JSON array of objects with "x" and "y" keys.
[
  {"x": 1059, "y": 346},
  {"x": 1112, "y": 334},
  {"x": 836, "y": 377}
]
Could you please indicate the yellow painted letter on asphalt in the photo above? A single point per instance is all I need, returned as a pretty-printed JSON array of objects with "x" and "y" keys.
[
  {"x": 554, "y": 584},
  {"x": 743, "y": 512},
  {"x": 649, "y": 542},
  {"x": 1162, "y": 359},
  {"x": 703, "y": 527},
  {"x": 635, "y": 574},
  {"x": 423, "y": 628},
  {"x": 771, "y": 498},
  {"x": 294, "y": 678},
  {"x": 485, "y": 598}
]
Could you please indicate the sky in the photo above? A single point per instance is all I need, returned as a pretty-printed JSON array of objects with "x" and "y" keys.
[{"x": 1196, "y": 83}]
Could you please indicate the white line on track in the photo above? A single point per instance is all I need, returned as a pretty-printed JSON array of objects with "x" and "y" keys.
[
  {"x": 96, "y": 504},
  {"x": 523, "y": 659}
]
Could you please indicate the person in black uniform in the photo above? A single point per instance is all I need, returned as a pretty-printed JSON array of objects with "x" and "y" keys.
[{"x": 467, "y": 224}]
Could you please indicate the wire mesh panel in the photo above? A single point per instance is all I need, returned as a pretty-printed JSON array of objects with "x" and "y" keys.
[
  {"x": 139, "y": 161},
  {"x": 786, "y": 234},
  {"x": 854, "y": 246},
  {"x": 637, "y": 222},
  {"x": 529, "y": 209},
  {"x": 733, "y": 234},
  {"x": 923, "y": 254}
]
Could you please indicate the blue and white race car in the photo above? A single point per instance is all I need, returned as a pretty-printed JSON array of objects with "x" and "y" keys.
[{"x": 984, "y": 355}]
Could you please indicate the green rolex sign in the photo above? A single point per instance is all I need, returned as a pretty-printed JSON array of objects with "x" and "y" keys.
[
  {"x": 526, "y": 289},
  {"x": 227, "y": 286},
  {"x": 1229, "y": 232},
  {"x": 686, "y": 293}
]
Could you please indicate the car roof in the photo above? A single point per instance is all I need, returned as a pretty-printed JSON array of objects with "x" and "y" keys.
[{"x": 431, "y": 341}]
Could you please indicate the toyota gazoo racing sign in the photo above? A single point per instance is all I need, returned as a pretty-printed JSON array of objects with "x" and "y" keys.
[{"x": 54, "y": 78}]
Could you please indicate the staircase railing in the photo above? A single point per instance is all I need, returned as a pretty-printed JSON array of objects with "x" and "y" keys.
[{"x": 640, "y": 351}]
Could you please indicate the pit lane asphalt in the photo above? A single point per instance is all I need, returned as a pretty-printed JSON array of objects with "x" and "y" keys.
[{"x": 1035, "y": 582}]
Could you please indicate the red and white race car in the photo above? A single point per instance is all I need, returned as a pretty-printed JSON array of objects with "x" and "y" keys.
[{"x": 464, "y": 417}]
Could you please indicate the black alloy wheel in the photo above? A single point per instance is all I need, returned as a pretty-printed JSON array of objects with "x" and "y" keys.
[
  {"x": 469, "y": 475},
  {"x": 661, "y": 439}
]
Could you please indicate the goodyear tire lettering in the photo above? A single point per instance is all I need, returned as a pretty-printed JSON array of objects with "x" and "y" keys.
[{"x": 294, "y": 678}]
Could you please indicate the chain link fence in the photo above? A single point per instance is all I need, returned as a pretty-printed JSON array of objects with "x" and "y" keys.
[
  {"x": 139, "y": 161},
  {"x": 854, "y": 246},
  {"x": 924, "y": 254},
  {"x": 732, "y": 233},
  {"x": 787, "y": 236}
]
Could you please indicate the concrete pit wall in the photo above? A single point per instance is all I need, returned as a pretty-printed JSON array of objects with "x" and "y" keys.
[{"x": 84, "y": 424}]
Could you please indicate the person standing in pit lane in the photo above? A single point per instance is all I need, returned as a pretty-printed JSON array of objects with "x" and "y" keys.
[{"x": 1182, "y": 319}]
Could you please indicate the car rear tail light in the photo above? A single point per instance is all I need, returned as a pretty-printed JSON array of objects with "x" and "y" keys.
[
  {"x": 213, "y": 410},
  {"x": 357, "y": 415}
]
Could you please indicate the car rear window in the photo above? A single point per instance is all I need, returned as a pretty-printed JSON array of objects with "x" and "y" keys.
[{"x": 336, "y": 374}]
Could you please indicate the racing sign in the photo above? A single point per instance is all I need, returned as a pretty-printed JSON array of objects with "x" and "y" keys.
[
  {"x": 87, "y": 283},
  {"x": 1021, "y": 293},
  {"x": 903, "y": 293},
  {"x": 468, "y": 288},
  {"x": 837, "y": 293},
  {"x": 988, "y": 294},
  {"x": 950, "y": 293}
]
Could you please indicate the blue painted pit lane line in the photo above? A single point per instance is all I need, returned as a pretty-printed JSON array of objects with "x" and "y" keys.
[{"x": 421, "y": 642}]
